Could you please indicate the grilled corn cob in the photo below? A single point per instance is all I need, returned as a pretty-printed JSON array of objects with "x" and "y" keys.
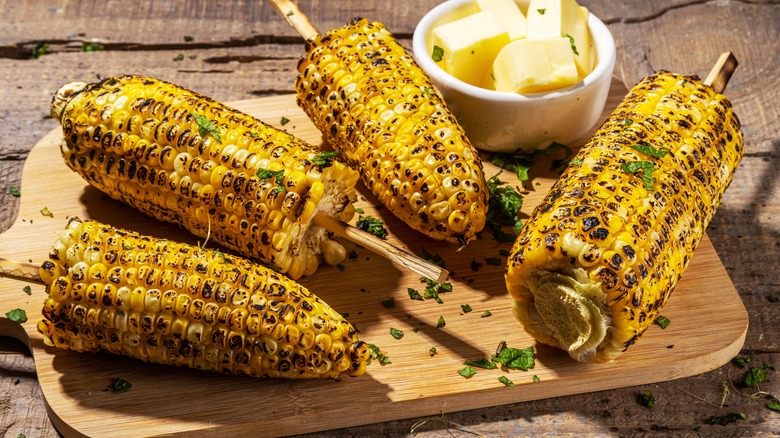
[
  {"x": 601, "y": 254},
  {"x": 380, "y": 110},
  {"x": 183, "y": 158},
  {"x": 171, "y": 303}
]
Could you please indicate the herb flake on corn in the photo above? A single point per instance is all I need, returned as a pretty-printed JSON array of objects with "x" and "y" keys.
[
  {"x": 171, "y": 303},
  {"x": 373, "y": 103},
  {"x": 602, "y": 253},
  {"x": 183, "y": 158}
]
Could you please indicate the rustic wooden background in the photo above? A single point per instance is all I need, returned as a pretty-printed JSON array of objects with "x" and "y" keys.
[{"x": 241, "y": 49}]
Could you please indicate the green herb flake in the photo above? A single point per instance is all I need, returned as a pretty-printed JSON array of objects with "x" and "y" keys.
[
  {"x": 535, "y": 378},
  {"x": 475, "y": 265},
  {"x": 119, "y": 385},
  {"x": 441, "y": 323},
  {"x": 388, "y": 304},
  {"x": 188, "y": 38},
  {"x": 416, "y": 329},
  {"x": 468, "y": 372},
  {"x": 413, "y": 294},
  {"x": 206, "y": 127},
  {"x": 284, "y": 121},
  {"x": 17, "y": 315},
  {"x": 486, "y": 313},
  {"x": 576, "y": 162},
  {"x": 433, "y": 289},
  {"x": 662, "y": 321},
  {"x": 179, "y": 57},
  {"x": 482, "y": 363},
  {"x": 438, "y": 54},
  {"x": 650, "y": 150},
  {"x": 341, "y": 267},
  {"x": 773, "y": 298},
  {"x": 433, "y": 351},
  {"x": 541, "y": 11},
  {"x": 91, "y": 47},
  {"x": 324, "y": 159},
  {"x": 398, "y": 334},
  {"x": 754, "y": 377},
  {"x": 39, "y": 50},
  {"x": 46, "y": 212},
  {"x": 352, "y": 254},
  {"x": 426, "y": 92},
  {"x": 646, "y": 168},
  {"x": 645, "y": 398},
  {"x": 376, "y": 354},
  {"x": 278, "y": 176},
  {"x": 516, "y": 358},
  {"x": 626, "y": 123},
  {"x": 290, "y": 14},
  {"x": 742, "y": 361},
  {"x": 14, "y": 192},
  {"x": 573, "y": 46},
  {"x": 27, "y": 290},
  {"x": 372, "y": 225},
  {"x": 773, "y": 406},
  {"x": 359, "y": 210},
  {"x": 193, "y": 57},
  {"x": 465, "y": 308},
  {"x": 505, "y": 380},
  {"x": 503, "y": 208},
  {"x": 726, "y": 419}
]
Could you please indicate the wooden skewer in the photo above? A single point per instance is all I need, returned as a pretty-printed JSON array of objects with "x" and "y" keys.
[
  {"x": 721, "y": 72},
  {"x": 295, "y": 18},
  {"x": 23, "y": 270}
]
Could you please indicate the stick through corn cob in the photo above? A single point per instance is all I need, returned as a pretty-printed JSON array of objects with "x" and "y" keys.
[
  {"x": 601, "y": 254},
  {"x": 183, "y": 158},
  {"x": 171, "y": 303},
  {"x": 381, "y": 111}
]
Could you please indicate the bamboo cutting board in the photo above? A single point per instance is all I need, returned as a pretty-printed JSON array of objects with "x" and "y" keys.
[{"x": 708, "y": 326}]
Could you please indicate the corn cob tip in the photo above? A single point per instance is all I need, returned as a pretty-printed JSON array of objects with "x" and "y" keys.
[{"x": 63, "y": 96}]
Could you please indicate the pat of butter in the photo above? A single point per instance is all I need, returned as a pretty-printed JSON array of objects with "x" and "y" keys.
[
  {"x": 470, "y": 45},
  {"x": 562, "y": 18},
  {"x": 508, "y": 13},
  {"x": 552, "y": 67}
]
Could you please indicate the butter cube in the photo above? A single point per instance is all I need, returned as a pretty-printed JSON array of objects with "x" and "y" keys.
[
  {"x": 535, "y": 66},
  {"x": 508, "y": 13},
  {"x": 469, "y": 45},
  {"x": 562, "y": 18}
]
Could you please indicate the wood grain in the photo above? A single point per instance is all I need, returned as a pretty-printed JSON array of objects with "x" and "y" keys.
[{"x": 414, "y": 384}]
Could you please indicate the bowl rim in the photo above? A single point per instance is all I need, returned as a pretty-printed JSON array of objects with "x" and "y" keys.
[{"x": 603, "y": 39}]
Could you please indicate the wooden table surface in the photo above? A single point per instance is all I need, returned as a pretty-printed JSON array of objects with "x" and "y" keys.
[{"x": 234, "y": 50}]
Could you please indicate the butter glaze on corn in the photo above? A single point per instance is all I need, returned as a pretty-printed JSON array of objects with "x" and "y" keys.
[
  {"x": 380, "y": 110},
  {"x": 171, "y": 303},
  {"x": 136, "y": 139},
  {"x": 601, "y": 254}
]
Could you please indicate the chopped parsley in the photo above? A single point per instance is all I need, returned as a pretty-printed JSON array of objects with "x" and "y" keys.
[
  {"x": 413, "y": 294},
  {"x": 46, "y": 212},
  {"x": 441, "y": 323},
  {"x": 662, "y": 321},
  {"x": 119, "y": 384},
  {"x": 505, "y": 380},
  {"x": 535, "y": 378},
  {"x": 284, "y": 121},
  {"x": 372, "y": 225},
  {"x": 278, "y": 176},
  {"x": 482, "y": 363},
  {"x": 573, "y": 46},
  {"x": 341, "y": 267},
  {"x": 438, "y": 54},
  {"x": 27, "y": 290},
  {"x": 541, "y": 11},
  {"x": 206, "y": 127},
  {"x": 773, "y": 406},
  {"x": 433, "y": 258},
  {"x": 378, "y": 355},
  {"x": 646, "y": 168},
  {"x": 433, "y": 289},
  {"x": 520, "y": 162},
  {"x": 726, "y": 419},
  {"x": 627, "y": 122},
  {"x": 290, "y": 14},
  {"x": 91, "y": 47},
  {"x": 426, "y": 92},
  {"x": 14, "y": 192},
  {"x": 576, "y": 162},
  {"x": 503, "y": 208},
  {"x": 352, "y": 254},
  {"x": 515, "y": 358},
  {"x": 466, "y": 308},
  {"x": 650, "y": 150},
  {"x": 17, "y": 315},
  {"x": 468, "y": 372},
  {"x": 188, "y": 38},
  {"x": 433, "y": 351},
  {"x": 324, "y": 159},
  {"x": 40, "y": 49},
  {"x": 742, "y": 360},
  {"x": 486, "y": 313},
  {"x": 179, "y": 57},
  {"x": 398, "y": 334},
  {"x": 388, "y": 304},
  {"x": 645, "y": 398},
  {"x": 755, "y": 376}
]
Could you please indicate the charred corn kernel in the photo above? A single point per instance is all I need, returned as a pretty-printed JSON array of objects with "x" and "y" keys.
[
  {"x": 601, "y": 254},
  {"x": 183, "y": 158},
  {"x": 251, "y": 318},
  {"x": 380, "y": 110}
]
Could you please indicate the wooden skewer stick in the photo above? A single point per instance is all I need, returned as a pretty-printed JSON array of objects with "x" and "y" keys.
[
  {"x": 306, "y": 29},
  {"x": 23, "y": 270},
  {"x": 721, "y": 72}
]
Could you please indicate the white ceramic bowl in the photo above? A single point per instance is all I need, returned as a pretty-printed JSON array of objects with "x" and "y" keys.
[{"x": 505, "y": 122}]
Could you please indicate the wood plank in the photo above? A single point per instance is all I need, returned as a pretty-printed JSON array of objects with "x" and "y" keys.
[{"x": 414, "y": 384}]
